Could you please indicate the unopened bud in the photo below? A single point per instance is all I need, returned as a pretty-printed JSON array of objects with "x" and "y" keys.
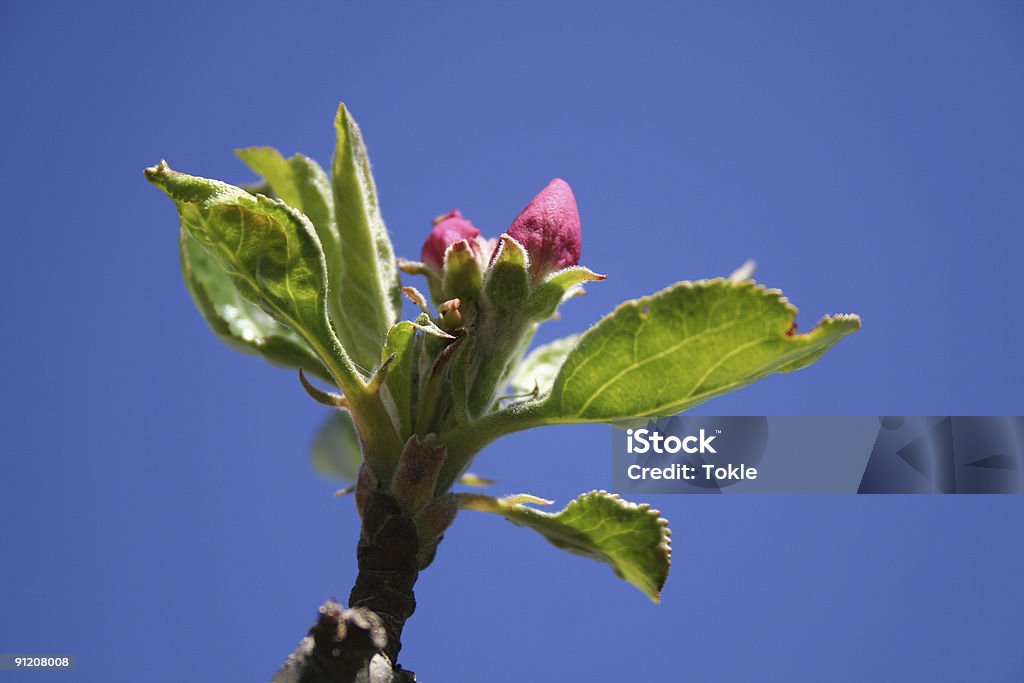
[
  {"x": 549, "y": 229},
  {"x": 448, "y": 229},
  {"x": 451, "y": 315}
]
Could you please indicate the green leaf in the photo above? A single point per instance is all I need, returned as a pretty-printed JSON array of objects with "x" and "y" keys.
[
  {"x": 633, "y": 539},
  {"x": 326, "y": 398},
  {"x": 368, "y": 277},
  {"x": 540, "y": 367},
  {"x": 507, "y": 283},
  {"x": 271, "y": 253},
  {"x": 668, "y": 352},
  {"x": 300, "y": 183},
  {"x": 557, "y": 288},
  {"x": 237, "y": 321},
  {"x": 423, "y": 323},
  {"x": 398, "y": 381},
  {"x": 335, "y": 451}
]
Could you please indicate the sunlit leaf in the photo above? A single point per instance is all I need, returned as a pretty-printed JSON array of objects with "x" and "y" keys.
[
  {"x": 301, "y": 183},
  {"x": 368, "y": 276},
  {"x": 668, "y": 352},
  {"x": 540, "y": 367},
  {"x": 633, "y": 539},
  {"x": 237, "y": 321}
]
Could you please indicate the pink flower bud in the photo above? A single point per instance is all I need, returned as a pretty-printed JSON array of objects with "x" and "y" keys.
[
  {"x": 448, "y": 230},
  {"x": 549, "y": 229}
]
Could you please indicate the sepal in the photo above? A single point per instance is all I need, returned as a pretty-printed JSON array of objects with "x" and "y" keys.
[
  {"x": 507, "y": 281},
  {"x": 423, "y": 323},
  {"x": 463, "y": 276},
  {"x": 559, "y": 286}
]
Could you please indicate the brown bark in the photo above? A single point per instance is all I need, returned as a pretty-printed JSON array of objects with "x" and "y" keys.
[
  {"x": 362, "y": 643},
  {"x": 388, "y": 568}
]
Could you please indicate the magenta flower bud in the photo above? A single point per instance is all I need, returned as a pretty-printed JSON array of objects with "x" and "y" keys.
[
  {"x": 549, "y": 229},
  {"x": 448, "y": 229}
]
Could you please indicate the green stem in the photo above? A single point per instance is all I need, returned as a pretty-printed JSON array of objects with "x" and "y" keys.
[
  {"x": 380, "y": 441},
  {"x": 468, "y": 439},
  {"x": 430, "y": 394}
]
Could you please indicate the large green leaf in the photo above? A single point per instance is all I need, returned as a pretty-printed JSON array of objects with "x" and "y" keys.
[
  {"x": 301, "y": 183},
  {"x": 539, "y": 369},
  {"x": 368, "y": 277},
  {"x": 237, "y": 321},
  {"x": 633, "y": 539},
  {"x": 269, "y": 250},
  {"x": 668, "y": 352}
]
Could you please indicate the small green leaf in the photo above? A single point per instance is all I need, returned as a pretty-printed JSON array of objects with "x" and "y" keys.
[
  {"x": 271, "y": 253},
  {"x": 335, "y": 451},
  {"x": 558, "y": 287},
  {"x": 540, "y": 367},
  {"x": 423, "y": 323},
  {"x": 241, "y": 324},
  {"x": 368, "y": 277},
  {"x": 398, "y": 381},
  {"x": 327, "y": 398},
  {"x": 668, "y": 352},
  {"x": 633, "y": 539}
]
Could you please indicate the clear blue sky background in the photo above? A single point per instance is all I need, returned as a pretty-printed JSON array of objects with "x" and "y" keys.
[{"x": 158, "y": 514}]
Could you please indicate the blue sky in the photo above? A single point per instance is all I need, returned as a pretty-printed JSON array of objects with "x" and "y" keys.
[{"x": 159, "y": 514}]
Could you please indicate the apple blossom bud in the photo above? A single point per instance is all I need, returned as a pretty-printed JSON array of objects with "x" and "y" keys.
[
  {"x": 549, "y": 229},
  {"x": 448, "y": 229},
  {"x": 450, "y": 314}
]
